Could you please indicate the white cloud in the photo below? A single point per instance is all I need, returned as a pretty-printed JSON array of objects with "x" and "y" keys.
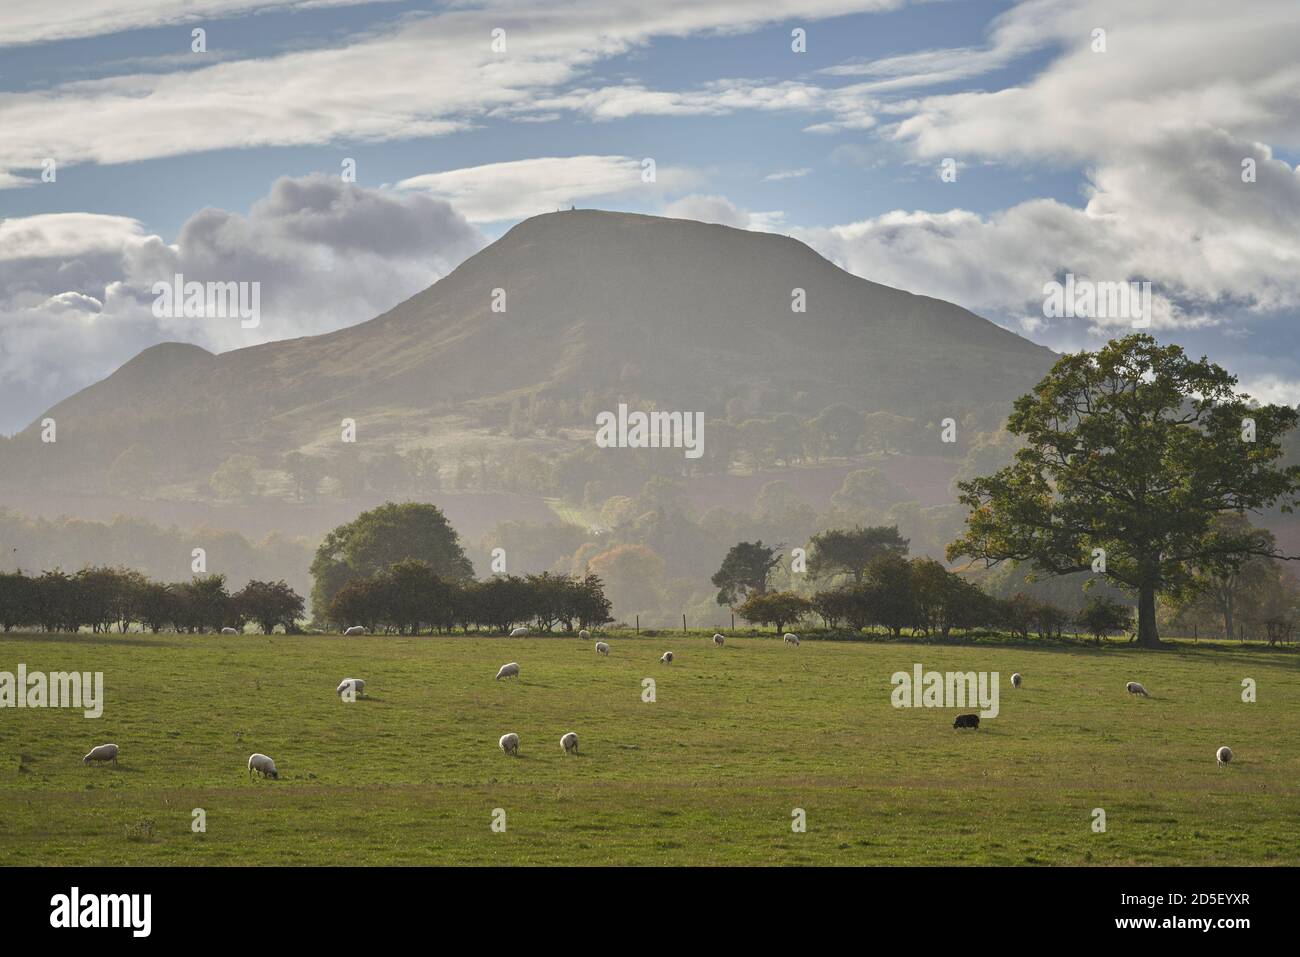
[
  {"x": 1272, "y": 389},
  {"x": 76, "y": 288},
  {"x": 787, "y": 174},
  {"x": 719, "y": 209},
  {"x": 24, "y": 23},
  {"x": 433, "y": 74},
  {"x": 1160, "y": 123},
  {"x": 521, "y": 188}
]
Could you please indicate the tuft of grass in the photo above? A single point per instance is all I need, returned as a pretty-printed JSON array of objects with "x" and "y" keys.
[{"x": 708, "y": 774}]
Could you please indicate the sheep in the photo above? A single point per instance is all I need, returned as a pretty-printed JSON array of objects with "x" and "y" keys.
[
  {"x": 584, "y": 634},
  {"x": 718, "y": 640},
  {"x": 1016, "y": 680},
  {"x": 101, "y": 752},
  {"x": 602, "y": 648},
  {"x": 518, "y": 632},
  {"x": 967, "y": 721},
  {"x": 355, "y": 685},
  {"x": 667, "y": 658},
  {"x": 229, "y": 631},
  {"x": 509, "y": 743},
  {"x": 263, "y": 766},
  {"x": 569, "y": 743},
  {"x": 355, "y": 630},
  {"x": 510, "y": 670},
  {"x": 1135, "y": 688},
  {"x": 791, "y": 639},
  {"x": 1224, "y": 755}
]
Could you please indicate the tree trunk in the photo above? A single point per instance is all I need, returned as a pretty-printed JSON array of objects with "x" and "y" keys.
[{"x": 1146, "y": 633}]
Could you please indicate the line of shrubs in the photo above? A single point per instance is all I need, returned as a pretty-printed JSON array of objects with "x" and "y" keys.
[
  {"x": 922, "y": 596},
  {"x": 410, "y": 598},
  {"x": 101, "y": 598}
]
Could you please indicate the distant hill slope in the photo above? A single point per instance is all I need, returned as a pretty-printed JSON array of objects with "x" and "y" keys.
[{"x": 673, "y": 311}]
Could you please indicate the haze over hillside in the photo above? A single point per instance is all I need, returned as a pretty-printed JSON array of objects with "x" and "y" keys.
[{"x": 668, "y": 312}]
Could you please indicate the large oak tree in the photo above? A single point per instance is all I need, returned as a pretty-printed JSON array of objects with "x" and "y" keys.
[{"x": 1134, "y": 450}]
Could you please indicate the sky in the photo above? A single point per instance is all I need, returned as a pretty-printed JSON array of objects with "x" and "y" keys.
[{"x": 1100, "y": 138}]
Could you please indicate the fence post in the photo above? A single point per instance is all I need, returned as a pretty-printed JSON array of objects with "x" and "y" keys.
[
  {"x": 683, "y": 624},
  {"x": 638, "y": 624}
]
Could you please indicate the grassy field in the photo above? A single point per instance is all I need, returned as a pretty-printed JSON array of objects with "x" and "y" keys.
[{"x": 707, "y": 774}]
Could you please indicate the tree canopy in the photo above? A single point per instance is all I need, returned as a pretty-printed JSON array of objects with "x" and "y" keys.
[
  {"x": 1131, "y": 452},
  {"x": 382, "y": 537},
  {"x": 745, "y": 571}
]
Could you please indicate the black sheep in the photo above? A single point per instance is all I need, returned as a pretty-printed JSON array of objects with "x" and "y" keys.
[{"x": 967, "y": 721}]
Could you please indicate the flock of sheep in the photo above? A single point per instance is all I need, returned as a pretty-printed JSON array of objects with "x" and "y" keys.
[
  {"x": 509, "y": 742},
  {"x": 972, "y": 721}
]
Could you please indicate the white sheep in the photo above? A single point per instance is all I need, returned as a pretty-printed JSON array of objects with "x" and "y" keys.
[
  {"x": 263, "y": 766},
  {"x": 509, "y": 743},
  {"x": 667, "y": 658},
  {"x": 357, "y": 686},
  {"x": 718, "y": 640},
  {"x": 1016, "y": 680},
  {"x": 584, "y": 634},
  {"x": 229, "y": 631},
  {"x": 602, "y": 648},
  {"x": 101, "y": 752},
  {"x": 1224, "y": 755},
  {"x": 518, "y": 632},
  {"x": 791, "y": 639},
  {"x": 569, "y": 743},
  {"x": 1135, "y": 688},
  {"x": 510, "y": 670},
  {"x": 355, "y": 630}
]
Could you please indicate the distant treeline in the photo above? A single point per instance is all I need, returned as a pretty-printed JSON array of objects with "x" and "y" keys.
[
  {"x": 410, "y": 598},
  {"x": 407, "y": 597},
  {"x": 103, "y": 598},
  {"x": 921, "y": 596}
]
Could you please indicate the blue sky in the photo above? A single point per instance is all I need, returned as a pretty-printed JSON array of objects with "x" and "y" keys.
[{"x": 1115, "y": 164}]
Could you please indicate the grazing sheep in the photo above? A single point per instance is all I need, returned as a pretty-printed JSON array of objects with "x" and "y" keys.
[
  {"x": 791, "y": 639},
  {"x": 355, "y": 630},
  {"x": 263, "y": 766},
  {"x": 569, "y": 743},
  {"x": 356, "y": 685},
  {"x": 229, "y": 631},
  {"x": 101, "y": 752},
  {"x": 667, "y": 658},
  {"x": 602, "y": 648},
  {"x": 718, "y": 640},
  {"x": 967, "y": 721},
  {"x": 1016, "y": 680},
  {"x": 510, "y": 670},
  {"x": 1135, "y": 688},
  {"x": 509, "y": 743},
  {"x": 1224, "y": 755},
  {"x": 584, "y": 634}
]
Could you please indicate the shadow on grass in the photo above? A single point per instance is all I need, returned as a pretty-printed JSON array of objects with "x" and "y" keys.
[
  {"x": 1069, "y": 645},
  {"x": 63, "y": 638}
]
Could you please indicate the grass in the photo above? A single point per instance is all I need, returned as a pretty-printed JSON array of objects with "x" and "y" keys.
[{"x": 707, "y": 774}]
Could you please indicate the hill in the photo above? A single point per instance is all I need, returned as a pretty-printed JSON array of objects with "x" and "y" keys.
[{"x": 598, "y": 307}]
